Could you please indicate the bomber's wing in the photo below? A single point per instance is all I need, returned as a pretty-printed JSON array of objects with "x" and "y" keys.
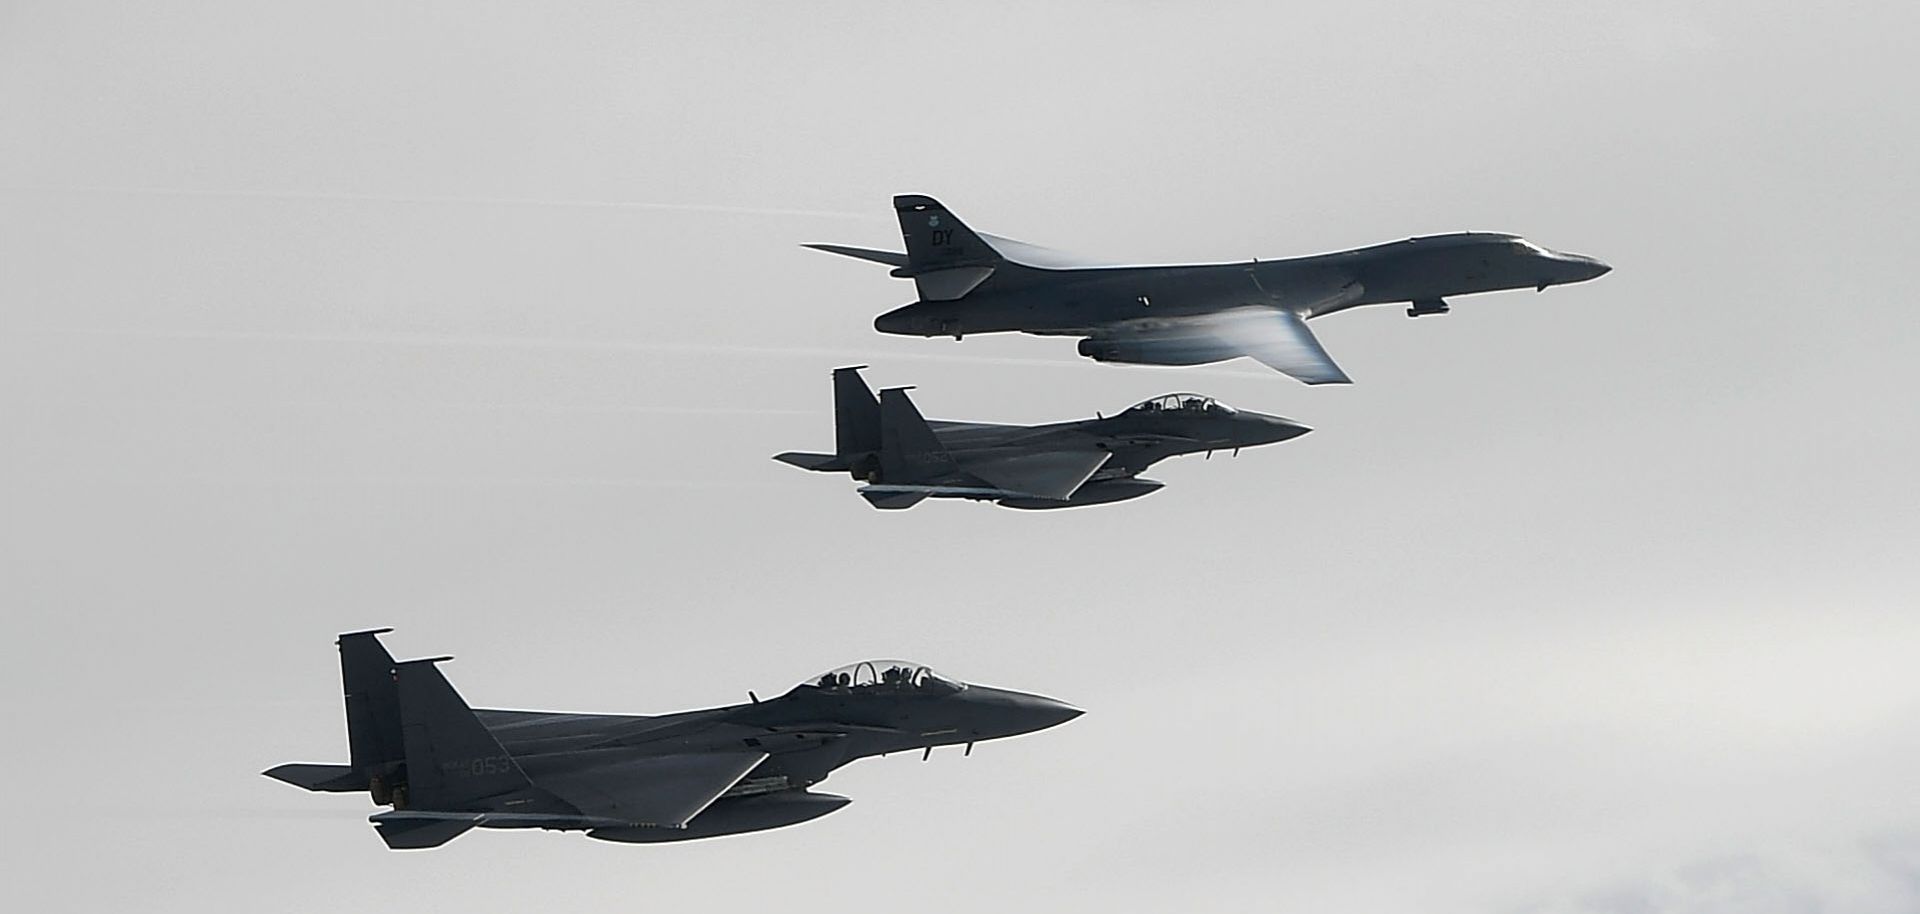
[
  {"x": 662, "y": 790},
  {"x": 1042, "y": 474},
  {"x": 1281, "y": 341},
  {"x": 1274, "y": 337}
]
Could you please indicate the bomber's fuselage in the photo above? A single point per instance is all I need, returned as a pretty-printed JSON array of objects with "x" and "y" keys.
[{"x": 1080, "y": 301}]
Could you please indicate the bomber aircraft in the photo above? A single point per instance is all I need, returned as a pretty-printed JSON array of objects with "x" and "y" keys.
[
  {"x": 446, "y": 768},
  {"x": 904, "y": 458},
  {"x": 1190, "y": 314}
]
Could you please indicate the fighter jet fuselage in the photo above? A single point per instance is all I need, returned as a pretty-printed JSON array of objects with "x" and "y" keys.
[
  {"x": 905, "y": 457},
  {"x": 973, "y": 283},
  {"x": 446, "y": 768}
]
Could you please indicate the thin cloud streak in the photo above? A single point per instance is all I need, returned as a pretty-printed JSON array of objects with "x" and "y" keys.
[
  {"x": 323, "y": 197},
  {"x": 490, "y": 342}
]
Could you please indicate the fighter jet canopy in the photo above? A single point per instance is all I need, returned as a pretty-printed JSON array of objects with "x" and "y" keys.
[
  {"x": 883, "y": 677},
  {"x": 1195, "y": 404}
]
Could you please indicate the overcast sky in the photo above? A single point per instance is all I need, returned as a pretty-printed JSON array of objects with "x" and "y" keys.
[{"x": 481, "y": 321}]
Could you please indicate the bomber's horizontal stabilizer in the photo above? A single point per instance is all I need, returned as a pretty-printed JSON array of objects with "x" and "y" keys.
[
  {"x": 887, "y": 257},
  {"x": 323, "y": 778}
]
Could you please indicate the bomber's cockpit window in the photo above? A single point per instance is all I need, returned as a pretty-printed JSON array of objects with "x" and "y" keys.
[
  {"x": 1187, "y": 404},
  {"x": 878, "y": 676}
]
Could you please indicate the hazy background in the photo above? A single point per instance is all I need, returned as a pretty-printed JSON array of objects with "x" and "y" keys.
[{"x": 481, "y": 321}]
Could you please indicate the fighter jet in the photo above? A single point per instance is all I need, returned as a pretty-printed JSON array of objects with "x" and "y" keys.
[
  {"x": 904, "y": 458},
  {"x": 971, "y": 282},
  {"x": 446, "y": 768}
]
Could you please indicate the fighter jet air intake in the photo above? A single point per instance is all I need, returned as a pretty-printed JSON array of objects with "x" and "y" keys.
[
  {"x": 446, "y": 768},
  {"x": 904, "y": 458},
  {"x": 1190, "y": 314}
]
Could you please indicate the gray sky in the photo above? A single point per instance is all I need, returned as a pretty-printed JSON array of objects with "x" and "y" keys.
[{"x": 481, "y": 320}]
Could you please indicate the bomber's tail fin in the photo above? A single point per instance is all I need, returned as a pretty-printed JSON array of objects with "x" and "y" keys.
[
  {"x": 856, "y": 414},
  {"x": 909, "y": 450},
  {"x": 945, "y": 258},
  {"x": 452, "y": 760}
]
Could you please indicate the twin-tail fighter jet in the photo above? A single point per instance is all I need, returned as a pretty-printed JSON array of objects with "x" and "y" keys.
[
  {"x": 446, "y": 768},
  {"x": 1190, "y": 314},
  {"x": 904, "y": 458}
]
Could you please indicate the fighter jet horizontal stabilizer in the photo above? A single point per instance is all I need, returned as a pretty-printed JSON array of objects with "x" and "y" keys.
[
  {"x": 807, "y": 461},
  {"x": 319, "y": 778}
]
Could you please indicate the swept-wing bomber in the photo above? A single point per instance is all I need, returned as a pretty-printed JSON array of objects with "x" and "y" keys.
[
  {"x": 971, "y": 282},
  {"x": 904, "y": 458},
  {"x": 446, "y": 768}
]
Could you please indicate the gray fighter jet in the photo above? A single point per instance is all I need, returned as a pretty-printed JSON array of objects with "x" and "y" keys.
[
  {"x": 1190, "y": 314},
  {"x": 905, "y": 458},
  {"x": 446, "y": 768}
]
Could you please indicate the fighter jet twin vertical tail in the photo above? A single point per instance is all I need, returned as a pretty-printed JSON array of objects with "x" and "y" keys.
[
  {"x": 972, "y": 282},
  {"x": 445, "y": 768},
  {"x": 905, "y": 458}
]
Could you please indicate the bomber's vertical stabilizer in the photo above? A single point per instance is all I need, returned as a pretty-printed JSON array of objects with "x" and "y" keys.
[
  {"x": 944, "y": 257},
  {"x": 909, "y": 451}
]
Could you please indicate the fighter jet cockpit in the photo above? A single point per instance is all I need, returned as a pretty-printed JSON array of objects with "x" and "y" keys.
[
  {"x": 1183, "y": 404},
  {"x": 876, "y": 677}
]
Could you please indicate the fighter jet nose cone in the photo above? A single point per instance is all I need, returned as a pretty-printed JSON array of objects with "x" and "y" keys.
[
  {"x": 1004, "y": 713},
  {"x": 1054, "y": 713},
  {"x": 1585, "y": 268},
  {"x": 1275, "y": 429}
]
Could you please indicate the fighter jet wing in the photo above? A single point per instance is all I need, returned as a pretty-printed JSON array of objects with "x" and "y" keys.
[
  {"x": 1041, "y": 474},
  {"x": 662, "y": 790},
  {"x": 1281, "y": 341}
]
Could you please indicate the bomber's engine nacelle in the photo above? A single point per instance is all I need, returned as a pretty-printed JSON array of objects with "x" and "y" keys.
[
  {"x": 734, "y": 816},
  {"x": 1166, "y": 350}
]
